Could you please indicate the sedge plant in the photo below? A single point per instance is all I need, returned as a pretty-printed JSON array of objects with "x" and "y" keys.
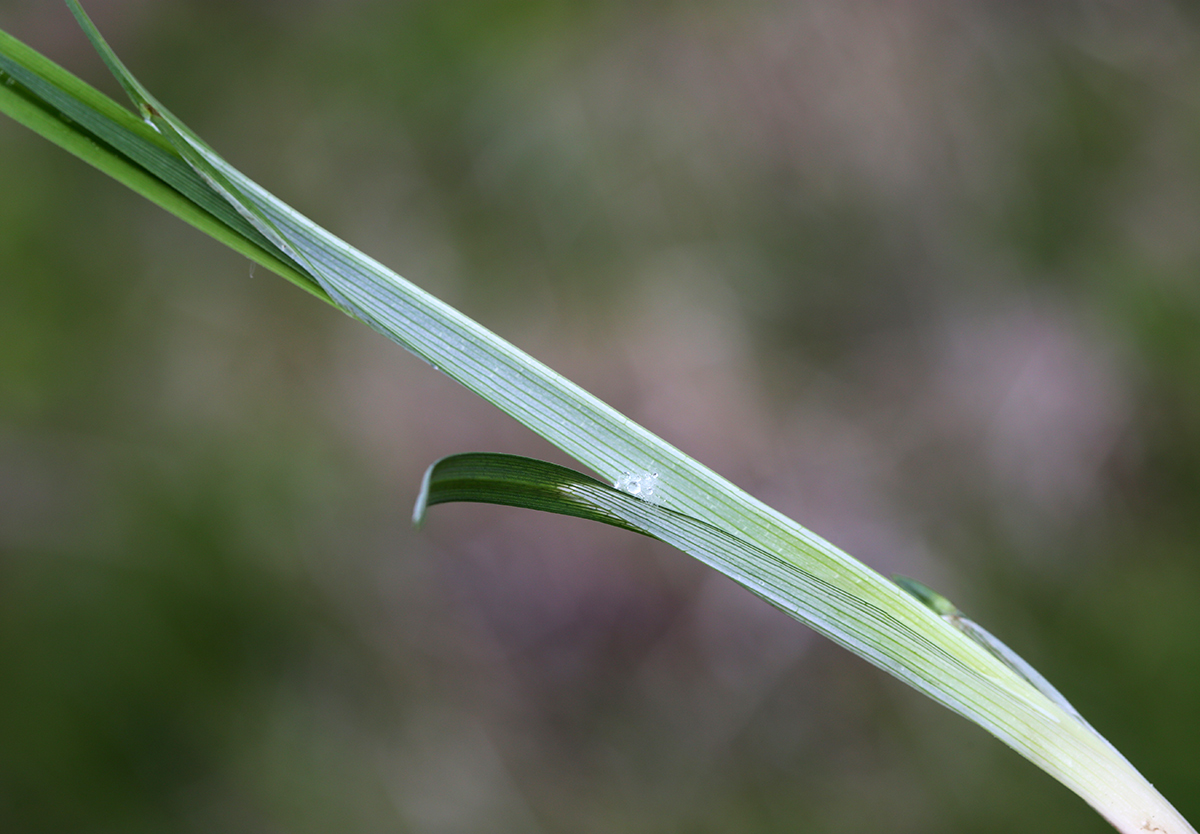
[{"x": 643, "y": 484}]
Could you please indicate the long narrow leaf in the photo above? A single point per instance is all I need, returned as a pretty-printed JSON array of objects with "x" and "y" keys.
[
  {"x": 79, "y": 118},
  {"x": 534, "y": 484},
  {"x": 695, "y": 509}
]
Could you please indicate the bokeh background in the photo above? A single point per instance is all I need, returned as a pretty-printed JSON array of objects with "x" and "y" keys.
[{"x": 921, "y": 275}]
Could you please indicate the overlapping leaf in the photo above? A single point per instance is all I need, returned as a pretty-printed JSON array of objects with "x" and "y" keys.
[{"x": 697, "y": 511}]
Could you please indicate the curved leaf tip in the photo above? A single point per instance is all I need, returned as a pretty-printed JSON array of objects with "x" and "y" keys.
[{"x": 515, "y": 481}]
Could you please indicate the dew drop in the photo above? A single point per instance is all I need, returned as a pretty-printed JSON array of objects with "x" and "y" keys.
[{"x": 642, "y": 485}]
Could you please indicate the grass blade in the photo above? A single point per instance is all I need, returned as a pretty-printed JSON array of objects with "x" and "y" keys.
[
  {"x": 694, "y": 509},
  {"x": 533, "y": 484},
  {"x": 88, "y": 124}
]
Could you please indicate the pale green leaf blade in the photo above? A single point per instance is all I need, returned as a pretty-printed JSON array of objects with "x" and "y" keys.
[
  {"x": 1073, "y": 751},
  {"x": 698, "y": 511}
]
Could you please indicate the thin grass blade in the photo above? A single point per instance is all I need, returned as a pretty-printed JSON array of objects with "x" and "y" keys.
[{"x": 694, "y": 508}]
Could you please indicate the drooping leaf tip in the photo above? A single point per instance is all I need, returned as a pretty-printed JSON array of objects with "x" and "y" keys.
[{"x": 422, "y": 503}]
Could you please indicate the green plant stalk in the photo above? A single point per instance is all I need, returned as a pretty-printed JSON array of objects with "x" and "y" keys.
[{"x": 812, "y": 580}]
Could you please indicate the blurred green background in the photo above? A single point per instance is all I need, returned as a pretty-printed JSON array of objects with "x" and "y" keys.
[{"x": 921, "y": 275}]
